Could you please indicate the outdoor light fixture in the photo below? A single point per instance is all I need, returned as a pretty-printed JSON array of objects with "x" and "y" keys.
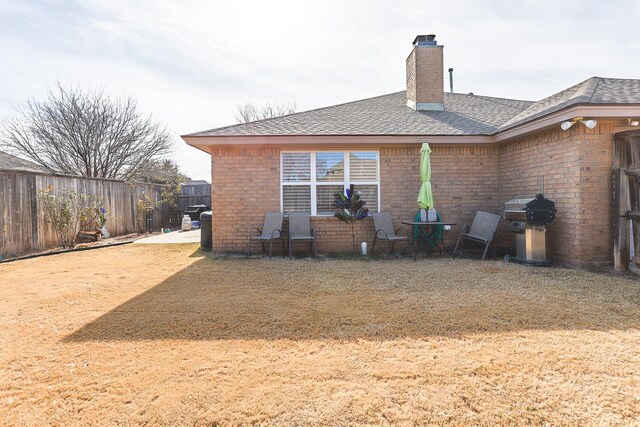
[
  {"x": 633, "y": 122},
  {"x": 566, "y": 125},
  {"x": 590, "y": 124}
]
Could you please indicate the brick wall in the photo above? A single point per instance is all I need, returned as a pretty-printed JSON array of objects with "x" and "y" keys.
[
  {"x": 464, "y": 179},
  {"x": 246, "y": 185},
  {"x": 576, "y": 166},
  {"x": 411, "y": 76},
  {"x": 553, "y": 156},
  {"x": 425, "y": 74},
  {"x": 595, "y": 236}
]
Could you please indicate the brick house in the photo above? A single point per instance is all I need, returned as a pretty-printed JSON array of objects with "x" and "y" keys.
[{"x": 484, "y": 151}]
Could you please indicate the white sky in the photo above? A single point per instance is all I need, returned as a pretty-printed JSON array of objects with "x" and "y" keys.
[{"x": 190, "y": 63}]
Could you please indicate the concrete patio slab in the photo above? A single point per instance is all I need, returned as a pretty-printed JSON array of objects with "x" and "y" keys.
[{"x": 191, "y": 236}]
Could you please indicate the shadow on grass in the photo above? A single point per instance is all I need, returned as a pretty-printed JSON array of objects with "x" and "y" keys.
[{"x": 229, "y": 299}]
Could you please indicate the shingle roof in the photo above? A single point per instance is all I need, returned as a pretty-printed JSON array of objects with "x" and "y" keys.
[
  {"x": 7, "y": 161},
  {"x": 196, "y": 182},
  {"x": 463, "y": 115},
  {"x": 596, "y": 90},
  {"x": 387, "y": 115}
]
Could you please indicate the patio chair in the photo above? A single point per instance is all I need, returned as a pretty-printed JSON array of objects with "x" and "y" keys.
[
  {"x": 383, "y": 224},
  {"x": 300, "y": 230},
  {"x": 483, "y": 230},
  {"x": 271, "y": 230}
]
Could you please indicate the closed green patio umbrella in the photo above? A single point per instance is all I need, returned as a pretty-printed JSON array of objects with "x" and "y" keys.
[{"x": 425, "y": 196}]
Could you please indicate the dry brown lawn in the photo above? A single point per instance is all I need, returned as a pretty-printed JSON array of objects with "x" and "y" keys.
[{"x": 165, "y": 335}]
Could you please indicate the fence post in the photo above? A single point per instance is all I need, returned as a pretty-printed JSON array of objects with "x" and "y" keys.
[{"x": 622, "y": 205}]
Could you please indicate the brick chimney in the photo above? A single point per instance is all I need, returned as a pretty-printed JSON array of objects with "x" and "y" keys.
[{"x": 425, "y": 75}]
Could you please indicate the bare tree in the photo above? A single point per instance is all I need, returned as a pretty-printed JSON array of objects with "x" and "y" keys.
[
  {"x": 86, "y": 133},
  {"x": 164, "y": 171},
  {"x": 250, "y": 112}
]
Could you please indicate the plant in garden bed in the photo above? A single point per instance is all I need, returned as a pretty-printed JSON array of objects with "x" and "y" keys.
[
  {"x": 144, "y": 204},
  {"x": 351, "y": 209},
  {"x": 101, "y": 221},
  {"x": 101, "y": 217},
  {"x": 67, "y": 212}
]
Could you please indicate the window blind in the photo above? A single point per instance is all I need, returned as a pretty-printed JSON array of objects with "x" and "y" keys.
[
  {"x": 296, "y": 167},
  {"x": 363, "y": 166},
  {"x": 296, "y": 198},
  {"x": 325, "y": 198}
]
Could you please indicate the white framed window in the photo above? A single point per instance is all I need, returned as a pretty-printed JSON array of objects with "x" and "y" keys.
[{"x": 309, "y": 179}]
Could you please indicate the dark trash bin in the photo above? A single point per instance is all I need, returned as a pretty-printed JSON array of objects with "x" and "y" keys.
[
  {"x": 205, "y": 229},
  {"x": 194, "y": 211}
]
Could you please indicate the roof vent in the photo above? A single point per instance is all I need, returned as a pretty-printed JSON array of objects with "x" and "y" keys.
[{"x": 425, "y": 40}]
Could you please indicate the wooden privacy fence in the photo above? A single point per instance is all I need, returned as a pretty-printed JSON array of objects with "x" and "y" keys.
[
  {"x": 194, "y": 194},
  {"x": 186, "y": 201},
  {"x": 23, "y": 227},
  {"x": 626, "y": 198}
]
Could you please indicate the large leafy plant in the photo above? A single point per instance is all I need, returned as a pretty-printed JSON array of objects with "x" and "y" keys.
[{"x": 351, "y": 208}]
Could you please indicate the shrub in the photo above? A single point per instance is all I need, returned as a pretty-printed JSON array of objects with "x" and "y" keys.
[
  {"x": 143, "y": 204},
  {"x": 67, "y": 212}
]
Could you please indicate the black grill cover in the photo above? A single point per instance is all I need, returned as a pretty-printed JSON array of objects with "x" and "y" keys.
[
  {"x": 194, "y": 211},
  {"x": 540, "y": 211}
]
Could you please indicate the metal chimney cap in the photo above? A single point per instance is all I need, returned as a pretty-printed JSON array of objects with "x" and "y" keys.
[{"x": 425, "y": 40}]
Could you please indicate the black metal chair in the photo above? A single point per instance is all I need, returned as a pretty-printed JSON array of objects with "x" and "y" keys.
[
  {"x": 483, "y": 230},
  {"x": 383, "y": 224},
  {"x": 271, "y": 230},
  {"x": 300, "y": 230}
]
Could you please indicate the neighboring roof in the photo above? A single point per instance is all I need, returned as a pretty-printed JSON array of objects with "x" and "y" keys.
[
  {"x": 387, "y": 115},
  {"x": 596, "y": 90},
  {"x": 7, "y": 161},
  {"x": 195, "y": 182},
  {"x": 463, "y": 114}
]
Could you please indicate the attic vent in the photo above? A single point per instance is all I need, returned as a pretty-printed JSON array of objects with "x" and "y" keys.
[{"x": 428, "y": 40}]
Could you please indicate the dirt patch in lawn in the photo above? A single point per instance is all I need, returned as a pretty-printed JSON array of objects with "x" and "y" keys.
[{"x": 166, "y": 335}]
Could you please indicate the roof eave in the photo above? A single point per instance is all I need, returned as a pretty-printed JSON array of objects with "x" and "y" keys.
[
  {"x": 205, "y": 142},
  {"x": 568, "y": 113}
]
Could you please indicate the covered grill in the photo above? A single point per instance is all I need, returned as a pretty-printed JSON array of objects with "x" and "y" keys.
[
  {"x": 528, "y": 217},
  {"x": 194, "y": 211}
]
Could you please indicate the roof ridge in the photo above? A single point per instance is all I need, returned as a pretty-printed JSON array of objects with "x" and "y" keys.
[
  {"x": 465, "y": 114},
  {"x": 494, "y": 100},
  {"x": 491, "y": 97},
  {"x": 593, "y": 92},
  {"x": 486, "y": 97},
  {"x": 583, "y": 89},
  {"x": 293, "y": 114}
]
